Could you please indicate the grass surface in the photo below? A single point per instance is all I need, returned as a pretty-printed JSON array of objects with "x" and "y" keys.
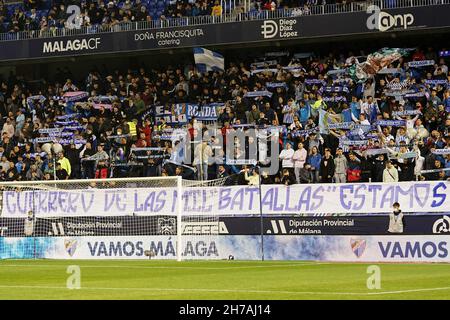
[{"x": 114, "y": 279}]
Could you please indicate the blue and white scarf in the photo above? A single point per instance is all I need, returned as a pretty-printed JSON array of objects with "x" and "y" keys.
[
  {"x": 392, "y": 123},
  {"x": 421, "y": 63}
]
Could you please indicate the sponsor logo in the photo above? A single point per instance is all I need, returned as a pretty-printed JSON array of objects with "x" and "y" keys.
[
  {"x": 89, "y": 228},
  {"x": 167, "y": 226},
  {"x": 283, "y": 28},
  {"x": 413, "y": 249},
  {"x": 211, "y": 228},
  {"x": 71, "y": 246},
  {"x": 383, "y": 21},
  {"x": 71, "y": 45},
  {"x": 269, "y": 29},
  {"x": 275, "y": 229},
  {"x": 358, "y": 246},
  {"x": 169, "y": 38},
  {"x": 442, "y": 225},
  {"x": 57, "y": 229}
]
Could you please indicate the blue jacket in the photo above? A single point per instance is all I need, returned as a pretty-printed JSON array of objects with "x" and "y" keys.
[
  {"x": 355, "y": 110},
  {"x": 314, "y": 161},
  {"x": 347, "y": 115},
  {"x": 304, "y": 113}
]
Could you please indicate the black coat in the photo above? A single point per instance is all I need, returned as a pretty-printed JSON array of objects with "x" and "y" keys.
[
  {"x": 406, "y": 172},
  {"x": 288, "y": 180},
  {"x": 327, "y": 169}
]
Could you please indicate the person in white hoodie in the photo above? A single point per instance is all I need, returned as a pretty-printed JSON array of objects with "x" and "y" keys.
[
  {"x": 390, "y": 174},
  {"x": 252, "y": 180},
  {"x": 286, "y": 156},
  {"x": 299, "y": 159}
]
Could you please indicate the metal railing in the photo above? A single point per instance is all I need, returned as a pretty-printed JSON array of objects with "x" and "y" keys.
[{"x": 229, "y": 16}]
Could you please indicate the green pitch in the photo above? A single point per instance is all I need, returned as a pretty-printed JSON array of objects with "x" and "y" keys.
[{"x": 46, "y": 279}]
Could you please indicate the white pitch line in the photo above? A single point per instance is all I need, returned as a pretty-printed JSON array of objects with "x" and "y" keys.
[
  {"x": 409, "y": 290},
  {"x": 230, "y": 290},
  {"x": 184, "y": 290},
  {"x": 164, "y": 267},
  {"x": 65, "y": 288}
]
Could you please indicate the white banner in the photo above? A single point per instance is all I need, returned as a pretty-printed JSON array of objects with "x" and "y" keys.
[
  {"x": 357, "y": 198},
  {"x": 134, "y": 247},
  {"x": 391, "y": 248}
]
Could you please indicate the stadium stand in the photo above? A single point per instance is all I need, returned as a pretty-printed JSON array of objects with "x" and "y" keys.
[
  {"x": 53, "y": 15},
  {"x": 46, "y": 18},
  {"x": 115, "y": 124},
  {"x": 234, "y": 130}
]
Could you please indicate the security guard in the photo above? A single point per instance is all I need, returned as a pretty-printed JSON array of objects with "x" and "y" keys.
[{"x": 396, "y": 222}]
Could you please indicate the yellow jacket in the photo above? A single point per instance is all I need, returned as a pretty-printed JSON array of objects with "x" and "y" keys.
[
  {"x": 216, "y": 10},
  {"x": 65, "y": 164},
  {"x": 133, "y": 130}
]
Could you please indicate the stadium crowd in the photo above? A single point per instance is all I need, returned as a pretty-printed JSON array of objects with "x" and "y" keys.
[
  {"x": 48, "y": 16},
  {"x": 328, "y": 126}
]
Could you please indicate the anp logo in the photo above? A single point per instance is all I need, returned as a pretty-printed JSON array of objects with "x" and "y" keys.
[
  {"x": 383, "y": 21},
  {"x": 269, "y": 29}
]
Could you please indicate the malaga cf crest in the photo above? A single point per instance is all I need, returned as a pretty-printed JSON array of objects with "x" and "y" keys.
[
  {"x": 70, "y": 246},
  {"x": 358, "y": 247}
]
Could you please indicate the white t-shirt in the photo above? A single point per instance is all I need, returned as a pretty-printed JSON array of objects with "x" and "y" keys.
[
  {"x": 286, "y": 155},
  {"x": 300, "y": 158}
]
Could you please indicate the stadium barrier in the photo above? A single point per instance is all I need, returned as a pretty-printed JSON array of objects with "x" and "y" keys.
[
  {"x": 145, "y": 218},
  {"x": 267, "y": 28},
  {"x": 228, "y": 16}
]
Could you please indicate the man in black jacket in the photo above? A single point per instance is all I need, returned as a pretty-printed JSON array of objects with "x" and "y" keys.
[
  {"x": 406, "y": 166},
  {"x": 74, "y": 157},
  {"x": 88, "y": 163},
  {"x": 379, "y": 164},
  {"x": 222, "y": 172},
  {"x": 240, "y": 109},
  {"x": 287, "y": 178},
  {"x": 434, "y": 175},
  {"x": 327, "y": 167}
]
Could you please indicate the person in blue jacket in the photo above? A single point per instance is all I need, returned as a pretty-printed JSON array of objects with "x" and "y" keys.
[{"x": 313, "y": 164}]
